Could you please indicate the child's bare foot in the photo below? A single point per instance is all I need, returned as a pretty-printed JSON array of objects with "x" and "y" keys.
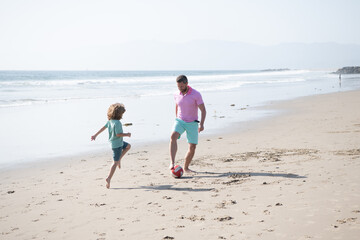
[{"x": 107, "y": 183}]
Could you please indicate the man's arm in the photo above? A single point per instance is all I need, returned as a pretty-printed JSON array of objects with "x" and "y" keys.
[
  {"x": 176, "y": 110},
  {"x": 203, "y": 116}
]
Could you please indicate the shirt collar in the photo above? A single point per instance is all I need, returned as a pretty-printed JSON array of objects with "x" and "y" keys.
[{"x": 189, "y": 91}]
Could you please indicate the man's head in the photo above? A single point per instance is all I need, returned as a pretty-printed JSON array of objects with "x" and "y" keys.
[{"x": 182, "y": 83}]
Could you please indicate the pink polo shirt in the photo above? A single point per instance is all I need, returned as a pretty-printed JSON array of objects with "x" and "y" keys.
[{"x": 188, "y": 105}]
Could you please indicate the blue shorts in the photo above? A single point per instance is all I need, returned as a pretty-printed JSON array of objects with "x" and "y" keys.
[
  {"x": 117, "y": 151},
  {"x": 191, "y": 129}
]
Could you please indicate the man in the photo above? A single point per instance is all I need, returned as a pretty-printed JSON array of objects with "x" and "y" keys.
[{"x": 187, "y": 103}]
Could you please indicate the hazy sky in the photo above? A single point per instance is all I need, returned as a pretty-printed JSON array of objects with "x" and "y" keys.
[{"x": 34, "y": 31}]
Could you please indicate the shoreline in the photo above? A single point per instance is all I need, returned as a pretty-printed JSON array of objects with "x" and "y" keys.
[
  {"x": 290, "y": 176},
  {"x": 277, "y": 108}
]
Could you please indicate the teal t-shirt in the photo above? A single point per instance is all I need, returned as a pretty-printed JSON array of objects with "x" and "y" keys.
[{"x": 115, "y": 127}]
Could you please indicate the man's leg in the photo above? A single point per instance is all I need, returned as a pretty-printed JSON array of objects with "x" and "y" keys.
[
  {"x": 173, "y": 148},
  {"x": 192, "y": 135},
  {"x": 189, "y": 156}
]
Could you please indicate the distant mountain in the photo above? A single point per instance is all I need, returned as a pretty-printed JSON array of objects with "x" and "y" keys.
[
  {"x": 235, "y": 55},
  {"x": 349, "y": 70}
]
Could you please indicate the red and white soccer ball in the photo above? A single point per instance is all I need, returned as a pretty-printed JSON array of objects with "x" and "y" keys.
[{"x": 177, "y": 171}]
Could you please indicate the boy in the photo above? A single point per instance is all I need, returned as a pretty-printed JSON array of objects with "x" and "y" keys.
[{"x": 114, "y": 126}]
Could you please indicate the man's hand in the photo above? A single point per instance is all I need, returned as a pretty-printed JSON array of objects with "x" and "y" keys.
[
  {"x": 201, "y": 128},
  {"x": 203, "y": 116}
]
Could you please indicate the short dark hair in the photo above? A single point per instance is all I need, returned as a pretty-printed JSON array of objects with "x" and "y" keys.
[{"x": 181, "y": 78}]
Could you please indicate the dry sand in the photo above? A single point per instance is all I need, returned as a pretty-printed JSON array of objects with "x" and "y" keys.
[{"x": 294, "y": 176}]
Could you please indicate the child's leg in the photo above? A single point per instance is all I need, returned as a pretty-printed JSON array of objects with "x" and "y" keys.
[
  {"x": 112, "y": 171},
  {"x": 116, "y": 157},
  {"x": 124, "y": 151}
]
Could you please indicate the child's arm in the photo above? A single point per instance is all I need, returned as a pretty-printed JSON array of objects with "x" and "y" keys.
[
  {"x": 123, "y": 135},
  {"x": 96, "y": 134}
]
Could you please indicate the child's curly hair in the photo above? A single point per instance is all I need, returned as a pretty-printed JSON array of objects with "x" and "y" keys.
[{"x": 116, "y": 111}]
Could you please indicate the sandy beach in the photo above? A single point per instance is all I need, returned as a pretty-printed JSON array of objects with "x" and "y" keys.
[{"x": 291, "y": 176}]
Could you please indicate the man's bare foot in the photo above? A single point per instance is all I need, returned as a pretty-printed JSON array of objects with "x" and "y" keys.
[
  {"x": 171, "y": 166},
  {"x": 107, "y": 183},
  {"x": 189, "y": 171}
]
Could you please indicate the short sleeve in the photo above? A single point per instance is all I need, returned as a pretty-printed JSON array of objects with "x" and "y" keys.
[
  {"x": 107, "y": 124},
  {"x": 199, "y": 99},
  {"x": 118, "y": 127}
]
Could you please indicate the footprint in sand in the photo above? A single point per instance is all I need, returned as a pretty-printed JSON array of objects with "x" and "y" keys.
[
  {"x": 168, "y": 237},
  {"x": 160, "y": 229},
  {"x": 343, "y": 221},
  {"x": 223, "y": 219},
  {"x": 223, "y": 204},
  {"x": 266, "y": 212},
  {"x": 102, "y": 235},
  {"x": 98, "y": 204}
]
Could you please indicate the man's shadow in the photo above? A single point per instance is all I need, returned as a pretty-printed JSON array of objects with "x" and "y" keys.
[
  {"x": 210, "y": 175},
  {"x": 249, "y": 174}
]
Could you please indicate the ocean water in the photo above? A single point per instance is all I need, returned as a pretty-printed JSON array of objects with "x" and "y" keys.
[{"x": 48, "y": 114}]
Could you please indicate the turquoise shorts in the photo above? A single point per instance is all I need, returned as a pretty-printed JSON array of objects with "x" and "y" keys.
[
  {"x": 118, "y": 151},
  {"x": 191, "y": 129}
]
